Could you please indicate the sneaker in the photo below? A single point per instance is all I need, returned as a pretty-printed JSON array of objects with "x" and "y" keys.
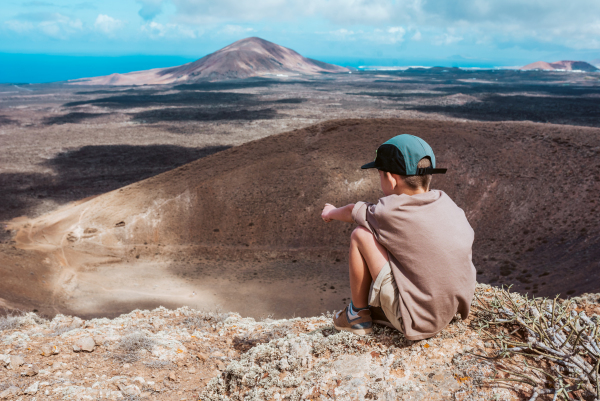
[
  {"x": 361, "y": 325},
  {"x": 379, "y": 317}
]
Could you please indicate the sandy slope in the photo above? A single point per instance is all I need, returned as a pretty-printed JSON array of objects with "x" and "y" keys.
[{"x": 241, "y": 228}]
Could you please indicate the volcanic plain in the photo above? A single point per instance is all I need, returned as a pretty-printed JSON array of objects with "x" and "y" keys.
[{"x": 209, "y": 194}]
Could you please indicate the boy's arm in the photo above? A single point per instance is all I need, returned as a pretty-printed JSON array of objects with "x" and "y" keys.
[{"x": 343, "y": 213}]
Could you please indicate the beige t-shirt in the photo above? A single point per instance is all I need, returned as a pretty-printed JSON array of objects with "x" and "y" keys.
[{"x": 429, "y": 241}]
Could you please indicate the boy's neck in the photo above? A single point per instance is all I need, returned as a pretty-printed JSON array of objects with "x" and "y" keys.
[
  {"x": 402, "y": 188},
  {"x": 411, "y": 191}
]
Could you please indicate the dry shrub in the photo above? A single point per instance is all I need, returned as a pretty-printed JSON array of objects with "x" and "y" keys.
[{"x": 130, "y": 346}]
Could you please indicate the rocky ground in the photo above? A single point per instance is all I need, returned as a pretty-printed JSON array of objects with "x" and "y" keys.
[{"x": 186, "y": 354}]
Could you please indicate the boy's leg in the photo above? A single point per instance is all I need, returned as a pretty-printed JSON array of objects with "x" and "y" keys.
[{"x": 367, "y": 257}]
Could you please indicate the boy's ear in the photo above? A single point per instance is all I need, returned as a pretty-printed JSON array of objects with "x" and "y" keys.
[{"x": 393, "y": 178}]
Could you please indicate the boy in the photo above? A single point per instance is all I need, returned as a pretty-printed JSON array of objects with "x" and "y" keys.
[{"x": 410, "y": 256}]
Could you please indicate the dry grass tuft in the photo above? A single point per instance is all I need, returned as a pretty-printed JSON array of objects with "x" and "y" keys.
[{"x": 558, "y": 347}]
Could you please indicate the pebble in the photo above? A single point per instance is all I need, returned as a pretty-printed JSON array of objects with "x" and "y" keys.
[
  {"x": 15, "y": 362},
  {"x": 76, "y": 323},
  {"x": 32, "y": 389},
  {"x": 99, "y": 340},
  {"x": 5, "y": 359},
  {"x": 48, "y": 349},
  {"x": 31, "y": 370},
  {"x": 131, "y": 390},
  {"x": 12, "y": 391},
  {"x": 84, "y": 344}
]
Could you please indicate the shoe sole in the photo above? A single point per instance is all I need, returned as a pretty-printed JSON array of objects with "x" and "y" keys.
[
  {"x": 384, "y": 323},
  {"x": 360, "y": 332}
]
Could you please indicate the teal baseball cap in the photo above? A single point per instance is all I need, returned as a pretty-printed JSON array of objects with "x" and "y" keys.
[{"x": 401, "y": 154}]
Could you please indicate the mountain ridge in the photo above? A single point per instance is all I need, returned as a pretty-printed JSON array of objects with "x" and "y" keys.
[
  {"x": 246, "y": 58},
  {"x": 564, "y": 65}
]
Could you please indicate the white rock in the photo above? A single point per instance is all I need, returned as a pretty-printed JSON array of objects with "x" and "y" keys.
[
  {"x": 15, "y": 361},
  {"x": 48, "y": 349},
  {"x": 131, "y": 390},
  {"x": 31, "y": 370},
  {"x": 85, "y": 344},
  {"x": 76, "y": 323},
  {"x": 33, "y": 388},
  {"x": 10, "y": 392}
]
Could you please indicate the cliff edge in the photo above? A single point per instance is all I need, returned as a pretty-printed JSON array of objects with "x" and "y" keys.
[{"x": 186, "y": 354}]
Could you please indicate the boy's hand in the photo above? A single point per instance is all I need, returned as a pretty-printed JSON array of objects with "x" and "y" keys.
[{"x": 325, "y": 213}]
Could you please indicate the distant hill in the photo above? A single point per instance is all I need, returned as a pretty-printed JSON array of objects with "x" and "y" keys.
[
  {"x": 250, "y": 57},
  {"x": 566, "y": 65},
  {"x": 596, "y": 62}
]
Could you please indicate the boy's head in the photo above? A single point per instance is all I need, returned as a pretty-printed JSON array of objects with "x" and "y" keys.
[{"x": 407, "y": 158}]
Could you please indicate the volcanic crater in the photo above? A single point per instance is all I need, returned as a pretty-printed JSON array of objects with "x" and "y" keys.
[{"x": 242, "y": 227}]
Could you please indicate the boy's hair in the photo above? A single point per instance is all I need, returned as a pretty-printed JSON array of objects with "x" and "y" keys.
[{"x": 419, "y": 181}]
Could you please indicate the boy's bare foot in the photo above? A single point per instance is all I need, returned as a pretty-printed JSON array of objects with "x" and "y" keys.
[{"x": 361, "y": 325}]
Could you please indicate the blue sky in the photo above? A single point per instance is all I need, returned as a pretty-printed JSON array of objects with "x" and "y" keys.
[{"x": 400, "y": 32}]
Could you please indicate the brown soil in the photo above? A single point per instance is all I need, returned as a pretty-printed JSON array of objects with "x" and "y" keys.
[{"x": 245, "y": 221}]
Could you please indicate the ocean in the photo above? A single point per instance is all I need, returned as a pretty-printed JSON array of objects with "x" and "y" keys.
[{"x": 40, "y": 68}]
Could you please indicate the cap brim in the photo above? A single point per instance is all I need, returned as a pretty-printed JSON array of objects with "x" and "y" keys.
[{"x": 369, "y": 165}]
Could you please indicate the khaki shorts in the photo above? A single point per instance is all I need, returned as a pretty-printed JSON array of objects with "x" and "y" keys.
[{"x": 384, "y": 293}]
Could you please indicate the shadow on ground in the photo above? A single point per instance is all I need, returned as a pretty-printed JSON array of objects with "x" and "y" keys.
[
  {"x": 551, "y": 109},
  {"x": 198, "y": 114},
  {"x": 89, "y": 171},
  {"x": 5, "y": 120},
  {"x": 173, "y": 99},
  {"x": 73, "y": 118}
]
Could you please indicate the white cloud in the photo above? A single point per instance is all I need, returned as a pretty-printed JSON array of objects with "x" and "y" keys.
[
  {"x": 157, "y": 30},
  {"x": 395, "y": 34},
  {"x": 19, "y": 26},
  {"x": 390, "y": 35},
  {"x": 338, "y": 11},
  {"x": 446, "y": 39},
  {"x": 235, "y": 30},
  {"x": 107, "y": 24},
  {"x": 55, "y": 25},
  {"x": 354, "y": 11},
  {"x": 575, "y": 23},
  {"x": 342, "y": 34},
  {"x": 37, "y": 3}
]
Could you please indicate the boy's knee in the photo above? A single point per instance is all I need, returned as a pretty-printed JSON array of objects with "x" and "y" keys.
[{"x": 360, "y": 234}]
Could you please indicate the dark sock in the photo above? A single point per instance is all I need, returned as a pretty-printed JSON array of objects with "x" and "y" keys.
[{"x": 353, "y": 310}]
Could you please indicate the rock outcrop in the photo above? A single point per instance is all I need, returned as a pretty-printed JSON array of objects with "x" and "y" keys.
[{"x": 186, "y": 354}]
